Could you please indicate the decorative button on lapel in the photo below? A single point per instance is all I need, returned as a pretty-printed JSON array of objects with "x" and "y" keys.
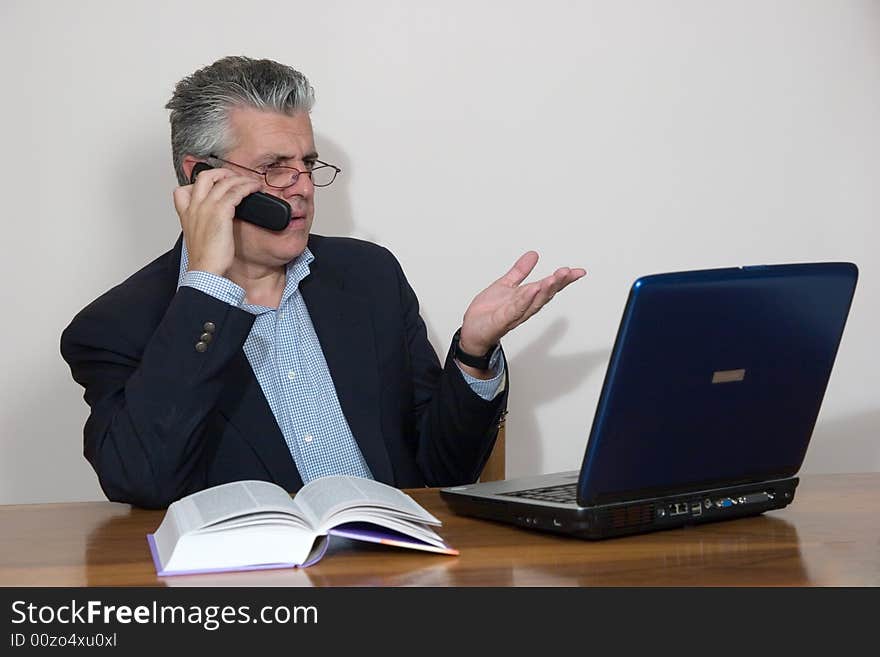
[
  {"x": 201, "y": 346},
  {"x": 209, "y": 327},
  {"x": 206, "y": 337}
]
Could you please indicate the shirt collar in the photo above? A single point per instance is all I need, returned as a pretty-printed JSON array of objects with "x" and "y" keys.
[{"x": 297, "y": 270}]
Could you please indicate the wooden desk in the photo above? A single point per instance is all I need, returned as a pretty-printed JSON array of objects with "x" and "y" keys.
[{"x": 829, "y": 536}]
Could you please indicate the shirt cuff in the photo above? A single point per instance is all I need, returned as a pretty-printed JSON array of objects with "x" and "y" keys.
[
  {"x": 215, "y": 286},
  {"x": 489, "y": 389}
]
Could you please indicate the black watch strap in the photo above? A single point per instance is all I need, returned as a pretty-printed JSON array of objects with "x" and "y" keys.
[{"x": 479, "y": 362}]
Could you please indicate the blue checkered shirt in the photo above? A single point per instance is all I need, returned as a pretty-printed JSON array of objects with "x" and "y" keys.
[{"x": 287, "y": 359}]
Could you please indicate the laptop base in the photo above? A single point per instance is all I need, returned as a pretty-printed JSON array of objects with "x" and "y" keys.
[{"x": 625, "y": 518}]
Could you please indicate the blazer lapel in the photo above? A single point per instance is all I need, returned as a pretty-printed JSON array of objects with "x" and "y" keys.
[
  {"x": 244, "y": 405},
  {"x": 344, "y": 326}
]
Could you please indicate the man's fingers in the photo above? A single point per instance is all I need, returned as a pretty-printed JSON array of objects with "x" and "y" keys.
[
  {"x": 546, "y": 291},
  {"x": 526, "y": 296},
  {"x": 522, "y": 268},
  {"x": 230, "y": 187},
  {"x": 574, "y": 274},
  {"x": 206, "y": 182},
  {"x": 523, "y": 299},
  {"x": 215, "y": 196},
  {"x": 526, "y": 263},
  {"x": 563, "y": 277},
  {"x": 182, "y": 197},
  {"x": 238, "y": 190},
  {"x": 506, "y": 303},
  {"x": 548, "y": 287}
]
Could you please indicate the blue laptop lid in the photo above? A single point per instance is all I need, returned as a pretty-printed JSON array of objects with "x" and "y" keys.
[{"x": 716, "y": 377}]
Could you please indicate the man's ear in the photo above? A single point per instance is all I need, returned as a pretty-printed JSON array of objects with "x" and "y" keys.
[{"x": 189, "y": 161}]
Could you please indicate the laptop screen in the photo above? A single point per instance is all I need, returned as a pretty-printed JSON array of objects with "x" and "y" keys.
[{"x": 716, "y": 377}]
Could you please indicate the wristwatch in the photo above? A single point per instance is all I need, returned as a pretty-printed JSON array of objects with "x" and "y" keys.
[{"x": 479, "y": 362}]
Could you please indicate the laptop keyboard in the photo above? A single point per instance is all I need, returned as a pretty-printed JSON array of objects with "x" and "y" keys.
[{"x": 562, "y": 494}]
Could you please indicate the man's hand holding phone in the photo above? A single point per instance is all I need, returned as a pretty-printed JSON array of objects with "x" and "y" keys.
[{"x": 206, "y": 209}]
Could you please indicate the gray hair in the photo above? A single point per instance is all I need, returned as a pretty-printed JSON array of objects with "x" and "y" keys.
[{"x": 201, "y": 103}]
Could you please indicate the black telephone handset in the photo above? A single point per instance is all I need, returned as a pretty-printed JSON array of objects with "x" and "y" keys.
[{"x": 262, "y": 209}]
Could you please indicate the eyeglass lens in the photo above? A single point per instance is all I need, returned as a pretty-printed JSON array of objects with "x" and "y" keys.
[{"x": 322, "y": 176}]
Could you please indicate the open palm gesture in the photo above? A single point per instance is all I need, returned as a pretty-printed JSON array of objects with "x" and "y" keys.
[{"x": 507, "y": 303}]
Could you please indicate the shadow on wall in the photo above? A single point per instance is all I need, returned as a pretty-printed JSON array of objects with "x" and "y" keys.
[
  {"x": 333, "y": 215},
  {"x": 537, "y": 377},
  {"x": 845, "y": 444},
  {"x": 143, "y": 216}
]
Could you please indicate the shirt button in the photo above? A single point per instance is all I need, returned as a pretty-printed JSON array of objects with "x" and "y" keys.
[
  {"x": 291, "y": 375},
  {"x": 309, "y": 438},
  {"x": 280, "y": 315}
]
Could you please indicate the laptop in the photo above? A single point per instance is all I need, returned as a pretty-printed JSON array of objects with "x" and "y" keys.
[{"x": 709, "y": 401}]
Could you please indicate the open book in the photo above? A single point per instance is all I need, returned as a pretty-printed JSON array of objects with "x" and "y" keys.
[{"x": 249, "y": 525}]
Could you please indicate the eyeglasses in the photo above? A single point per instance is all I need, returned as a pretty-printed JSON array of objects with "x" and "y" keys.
[{"x": 280, "y": 177}]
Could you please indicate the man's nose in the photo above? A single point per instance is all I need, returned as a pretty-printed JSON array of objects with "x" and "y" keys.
[{"x": 302, "y": 187}]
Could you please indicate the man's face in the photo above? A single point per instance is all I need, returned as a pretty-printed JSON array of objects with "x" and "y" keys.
[{"x": 262, "y": 139}]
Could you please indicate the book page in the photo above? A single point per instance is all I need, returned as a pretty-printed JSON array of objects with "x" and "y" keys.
[
  {"x": 361, "y": 531},
  {"x": 329, "y": 496},
  {"x": 255, "y": 520},
  {"x": 415, "y": 530},
  {"x": 236, "y": 499}
]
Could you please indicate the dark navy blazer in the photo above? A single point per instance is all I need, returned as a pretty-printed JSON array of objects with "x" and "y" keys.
[{"x": 167, "y": 420}]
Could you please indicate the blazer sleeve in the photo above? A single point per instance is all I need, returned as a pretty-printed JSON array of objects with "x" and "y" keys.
[
  {"x": 456, "y": 427},
  {"x": 150, "y": 394}
]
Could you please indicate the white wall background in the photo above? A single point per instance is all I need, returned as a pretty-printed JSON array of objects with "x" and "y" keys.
[{"x": 628, "y": 137}]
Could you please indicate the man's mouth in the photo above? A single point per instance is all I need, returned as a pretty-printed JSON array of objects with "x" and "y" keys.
[{"x": 298, "y": 214}]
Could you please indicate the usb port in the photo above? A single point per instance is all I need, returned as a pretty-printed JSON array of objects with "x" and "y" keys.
[{"x": 696, "y": 509}]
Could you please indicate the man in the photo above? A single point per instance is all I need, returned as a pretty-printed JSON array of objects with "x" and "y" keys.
[{"x": 245, "y": 353}]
